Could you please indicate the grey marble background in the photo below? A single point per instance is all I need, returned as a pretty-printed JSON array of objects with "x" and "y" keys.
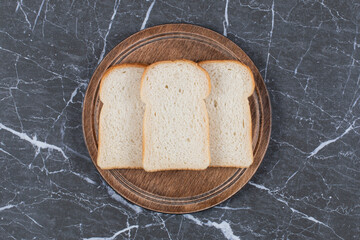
[{"x": 308, "y": 184}]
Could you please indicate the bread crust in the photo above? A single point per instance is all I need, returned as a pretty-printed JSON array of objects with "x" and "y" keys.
[
  {"x": 146, "y": 107},
  {"x": 253, "y": 89},
  {"x": 118, "y": 66},
  {"x": 233, "y": 61},
  {"x": 173, "y": 61},
  {"x": 108, "y": 71},
  {"x": 176, "y": 169}
]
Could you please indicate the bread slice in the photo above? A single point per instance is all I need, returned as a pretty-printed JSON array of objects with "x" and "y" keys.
[
  {"x": 176, "y": 125},
  {"x": 121, "y": 116},
  {"x": 229, "y": 113}
]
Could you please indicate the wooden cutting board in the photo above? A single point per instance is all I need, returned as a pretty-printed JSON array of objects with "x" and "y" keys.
[{"x": 178, "y": 191}]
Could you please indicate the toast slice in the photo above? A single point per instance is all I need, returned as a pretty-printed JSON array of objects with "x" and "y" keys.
[
  {"x": 121, "y": 116},
  {"x": 229, "y": 113},
  {"x": 176, "y": 125}
]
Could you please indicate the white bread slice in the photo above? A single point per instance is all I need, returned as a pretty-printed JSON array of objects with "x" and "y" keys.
[
  {"x": 176, "y": 125},
  {"x": 229, "y": 113},
  {"x": 121, "y": 116}
]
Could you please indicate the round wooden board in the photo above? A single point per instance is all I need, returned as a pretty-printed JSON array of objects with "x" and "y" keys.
[{"x": 178, "y": 191}]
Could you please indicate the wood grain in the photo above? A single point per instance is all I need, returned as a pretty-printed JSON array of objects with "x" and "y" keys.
[{"x": 178, "y": 191}]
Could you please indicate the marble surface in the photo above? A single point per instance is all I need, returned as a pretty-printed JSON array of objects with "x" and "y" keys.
[{"x": 308, "y": 184}]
